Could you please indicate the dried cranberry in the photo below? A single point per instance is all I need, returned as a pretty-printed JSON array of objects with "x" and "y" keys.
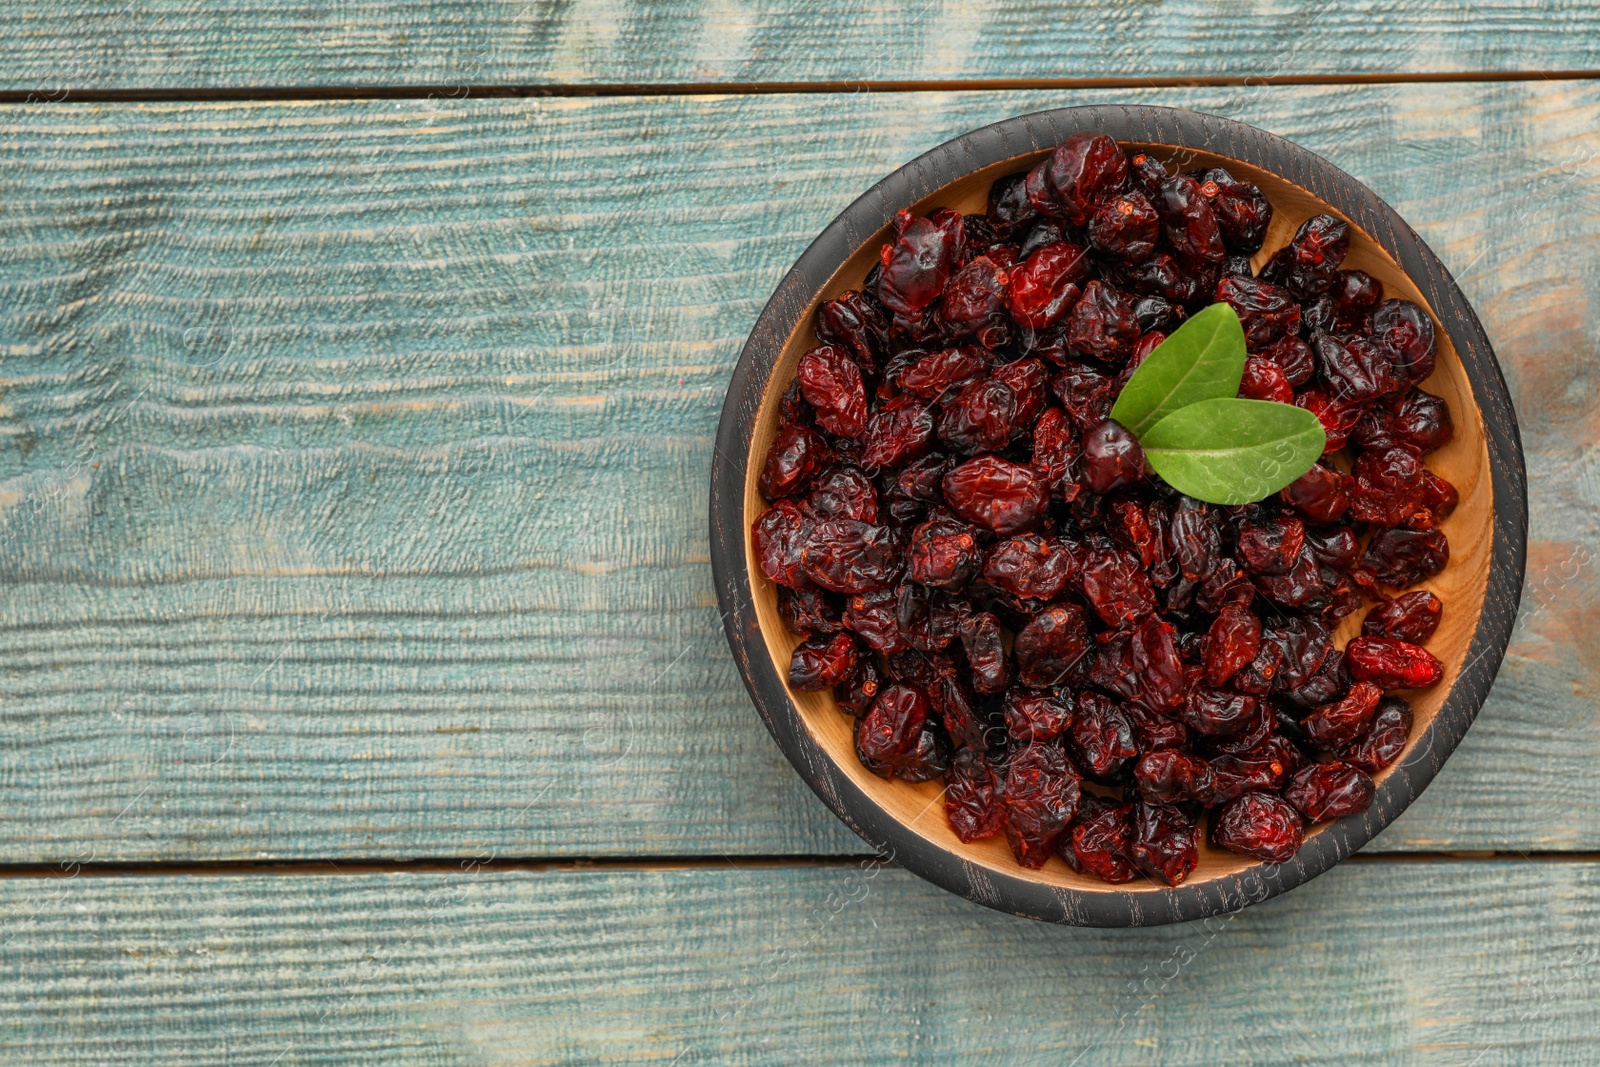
[
  {"x": 1339, "y": 723},
  {"x": 986, "y": 653},
  {"x": 898, "y": 433},
  {"x": 1233, "y": 776},
  {"x": 944, "y": 554},
  {"x": 1387, "y": 489},
  {"x": 1391, "y": 663},
  {"x": 1112, "y": 457},
  {"x": 1030, "y": 567},
  {"x": 1267, "y": 312},
  {"x": 1041, "y": 796},
  {"x": 1050, "y": 646},
  {"x": 778, "y": 537},
  {"x": 1125, "y": 229},
  {"x": 997, "y": 494},
  {"x": 1230, "y": 644},
  {"x": 973, "y": 799},
  {"x": 1405, "y": 333},
  {"x": 1356, "y": 294},
  {"x": 1101, "y": 841},
  {"x": 798, "y": 454},
  {"x": 875, "y": 618},
  {"x": 1264, "y": 380},
  {"x": 1086, "y": 394},
  {"x": 1402, "y": 557},
  {"x": 1103, "y": 323},
  {"x": 830, "y": 380},
  {"x": 1242, "y": 210},
  {"x": 1416, "y": 420},
  {"x": 936, "y": 373},
  {"x": 1035, "y": 714},
  {"x": 1270, "y": 544},
  {"x": 1315, "y": 253},
  {"x": 850, "y": 556},
  {"x": 1384, "y": 740},
  {"x": 1163, "y": 276},
  {"x": 823, "y": 662},
  {"x": 1187, "y": 221},
  {"x": 1410, "y": 617},
  {"x": 1259, "y": 825},
  {"x": 1101, "y": 735},
  {"x": 894, "y": 725},
  {"x": 1116, "y": 586},
  {"x": 857, "y": 324},
  {"x": 1010, "y": 210},
  {"x": 980, "y": 418},
  {"x": 857, "y": 692},
  {"x": 1217, "y": 711},
  {"x": 916, "y": 264},
  {"x": 1352, "y": 369},
  {"x": 1085, "y": 170},
  {"x": 1055, "y": 453},
  {"x": 1321, "y": 494},
  {"x": 1165, "y": 842},
  {"x": 1044, "y": 287},
  {"x": 1329, "y": 791}
]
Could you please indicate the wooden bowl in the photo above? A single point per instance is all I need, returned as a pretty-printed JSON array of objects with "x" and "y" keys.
[{"x": 1480, "y": 587}]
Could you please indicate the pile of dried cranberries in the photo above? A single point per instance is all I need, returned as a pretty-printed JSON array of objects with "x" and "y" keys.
[{"x": 988, "y": 577}]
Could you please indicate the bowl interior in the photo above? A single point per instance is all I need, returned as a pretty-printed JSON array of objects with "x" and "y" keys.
[{"x": 1461, "y": 585}]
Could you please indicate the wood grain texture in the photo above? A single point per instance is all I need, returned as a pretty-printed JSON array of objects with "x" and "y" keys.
[
  {"x": 451, "y": 47},
  {"x": 1415, "y": 965},
  {"x": 353, "y": 458}
]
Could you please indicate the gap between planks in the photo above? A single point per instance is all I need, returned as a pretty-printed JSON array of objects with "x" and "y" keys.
[
  {"x": 289, "y": 93},
  {"x": 565, "y": 864}
]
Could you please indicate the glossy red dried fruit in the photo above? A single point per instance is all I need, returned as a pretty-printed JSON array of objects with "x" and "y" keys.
[
  {"x": 850, "y": 556},
  {"x": 1217, "y": 711},
  {"x": 831, "y": 382},
  {"x": 1116, "y": 586},
  {"x": 997, "y": 494},
  {"x": 823, "y": 662},
  {"x": 1035, "y": 714},
  {"x": 1187, "y": 221},
  {"x": 1384, "y": 740},
  {"x": 1267, "y": 312},
  {"x": 1103, "y": 323},
  {"x": 897, "y": 434},
  {"x": 986, "y": 654},
  {"x": 1112, "y": 457},
  {"x": 1405, "y": 332},
  {"x": 973, "y": 798},
  {"x": 1045, "y": 285},
  {"x": 1409, "y": 617},
  {"x": 1101, "y": 734},
  {"x": 1242, "y": 210},
  {"x": 1401, "y": 557},
  {"x": 1259, "y": 825},
  {"x": 1321, "y": 494},
  {"x": 1029, "y": 566},
  {"x": 1231, "y": 644},
  {"x": 1166, "y": 842},
  {"x": 1125, "y": 228},
  {"x": 1050, "y": 646},
  {"x": 1264, "y": 380},
  {"x": 894, "y": 725},
  {"x": 1041, "y": 796},
  {"x": 975, "y": 297},
  {"x": 1100, "y": 841},
  {"x": 1334, "y": 725},
  {"x": 918, "y": 262},
  {"x": 1260, "y": 769},
  {"x": 778, "y": 537},
  {"x": 875, "y": 618},
  {"x": 857, "y": 324},
  {"x": 1391, "y": 663},
  {"x": 1329, "y": 791},
  {"x": 1085, "y": 170},
  {"x": 1170, "y": 776}
]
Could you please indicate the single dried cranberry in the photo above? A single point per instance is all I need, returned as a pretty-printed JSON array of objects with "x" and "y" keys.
[
  {"x": 1234, "y": 776},
  {"x": 944, "y": 554},
  {"x": 928, "y": 759},
  {"x": 1298, "y": 587},
  {"x": 1045, "y": 286},
  {"x": 894, "y": 725},
  {"x": 1264, "y": 380},
  {"x": 842, "y": 493},
  {"x": 1321, "y": 494},
  {"x": 1041, "y": 796},
  {"x": 1329, "y": 791},
  {"x": 1439, "y": 495},
  {"x": 1267, "y": 312},
  {"x": 778, "y": 537},
  {"x": 1294, "y": 357},
  {"x": 1230, "y": 644},
  {"x": 830, "y": 380},
  {"x": 973, "y": 799},
  {"x": 1169, "y": 776},
  {"x": 1352, "y": 369},
  {"x": 1270, "y": 544},
  {"x": 1242, "y": 210},
  {"x": 1100, "y": 841},
  {"x": 1010, "y": 210},
  {"x": 1085, "y": 170},
  {"x": 1116, "y": 586},
  {"x": 1030, "y": 381},
  {"x": 936, "y": 373},
  {"x": 1103, "y": 324},
  {"x": 975, "y": 297},
  {"x": 1252, "y": 736},
  {"x": 1405, "y": 333},
  {"x": 997, "y": 494},
  {"x": 857, "y": 692},
  {"x": 798, "y": 454},
  {"x": 823, "y": 662},
  {"x": 980, "y": 418},
  {"x": 1384, "y": 740},
  {"x": 1035, "y": 714},
  {"x": 1392, "y": 663},
  {"x": 1125, "y": 228},
  {"x": 857, "y": 324},
  {"x": 1259, "y": 825},
  {"x": 898, "y": 433},
  {"x": 1320, "y": 315},
  {"x": 1086, "y": 394},
  {"x": 1153, "y": 731},
  {"x": 1315, "y": 254},
  {"x": 1165, "y": 842},
  {"x": 1163, "y": 276},
  {"x": 849, "y": 556},
  {"x": 1145, "y": 173},
  {"x": 1357, "y": 293},
  {"x": 1334, "y": 725},
  {"x": 1112, "y": 457},
  {"x": 808, "y": 611},
  {"x": 1402, "y": 557},
  {"x": 1217, "y": 711},
  {"x": 928, "y": 617},
  {"x": 1029, "y": 566},
  {"x": 1387, "y": 488},
  {"x": 1338, "y": 418},
  {"x": 875, "y": 618},
  {"x": 1335, "y": 547},
  {"x": 986, "y": 653},
  {"x": 1416, "y": 420},
  {"x": 1156, "y": 665},
  {"x": 1050, "y": 646},
  {"x": 1410, "y": 617},
  {"x": 1187, "y": 221},
  {"x": 916, "y": 264},
  {"x": 1055, "y": 453},
  {"x": 1101, "y": 733}
]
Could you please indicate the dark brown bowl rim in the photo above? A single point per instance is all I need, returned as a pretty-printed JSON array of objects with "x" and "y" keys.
[{"x": 938, "y": 168}]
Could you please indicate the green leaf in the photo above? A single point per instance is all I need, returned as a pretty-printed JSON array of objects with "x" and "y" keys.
[
  {"x": 1228, "y": 451},
  {"x": 1202, "y": 360}
]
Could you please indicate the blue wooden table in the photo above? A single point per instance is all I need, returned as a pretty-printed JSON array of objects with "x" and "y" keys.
[{"x": 362, "y": 691}]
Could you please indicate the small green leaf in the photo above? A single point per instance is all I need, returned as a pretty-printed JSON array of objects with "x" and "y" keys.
[
  {"x": 1228, "y": 451},
  {"x": 1202, "y": 360}
]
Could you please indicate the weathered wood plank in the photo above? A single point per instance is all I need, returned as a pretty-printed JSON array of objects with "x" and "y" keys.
[
  {"x": 352, "y": 458},
  {"x": 106, "y": 44},
  {"x": 1406, "y": 964}
]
